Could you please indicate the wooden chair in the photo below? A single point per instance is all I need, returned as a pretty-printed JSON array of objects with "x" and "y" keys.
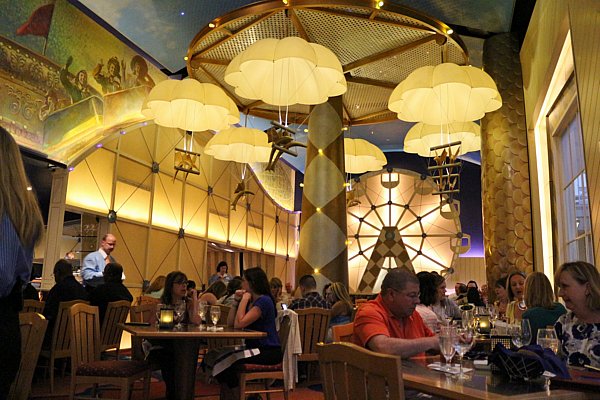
[
  {"x": 266, "y": 373},
  {"x": 352, "y": 372},
  {"x": 33, "y": 327},
  {"x": 343, "y": 332},
  {"x": 30, "y": 305},
  {"x": 87, "y": 368},
  {"x": 61, "y": 340},
  {"x": 141, "y": 300},
  {"x": 313, "y": 324},
  {"x": 140, "y": 313},
  {"x": 110, "y": 333}
]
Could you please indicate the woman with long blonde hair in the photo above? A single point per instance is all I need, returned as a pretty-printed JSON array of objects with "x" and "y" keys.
[{"x": 21, "y": 226}]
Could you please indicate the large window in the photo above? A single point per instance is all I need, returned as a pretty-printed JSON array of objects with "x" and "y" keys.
[{"x": 571, "y": 200}]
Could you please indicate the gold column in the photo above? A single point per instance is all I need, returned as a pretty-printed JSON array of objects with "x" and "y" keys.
[
  {"x": 323, "y": 226},
  {"x": 507, "y": 232}
]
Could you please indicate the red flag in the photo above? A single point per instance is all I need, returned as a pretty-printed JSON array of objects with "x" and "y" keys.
[{"x": 38, "y": 23}]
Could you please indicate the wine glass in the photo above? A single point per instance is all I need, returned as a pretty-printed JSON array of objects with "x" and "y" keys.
[
  {"x": 521, "y": 333},
  {"x": 447, "y": 339},
  {"x": 180, "y": 309},
  {"x": 462, "y": 344},
  {"x": 546, "y": 337},
  {"x": 202, "y": 311},
  {"x": 215, "y": 314}
]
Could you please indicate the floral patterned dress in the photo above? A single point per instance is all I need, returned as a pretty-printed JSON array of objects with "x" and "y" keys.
[{"x": 579, "y": 341}]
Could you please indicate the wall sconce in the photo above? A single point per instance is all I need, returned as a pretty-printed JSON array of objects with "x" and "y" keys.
[{"x": 166, "y": 319}]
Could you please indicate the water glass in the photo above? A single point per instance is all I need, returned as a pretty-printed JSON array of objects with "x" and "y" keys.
[
  {"x": 463, "y": 344},
  {"x": 448, "y": 338},
  {"x": 180, "y": 310},
  {"x": 521, "y": 333},
  {"x": 547, "y": 338},
  {"x": 215, "y": 315},
  {"x": 202, "y": 311}
]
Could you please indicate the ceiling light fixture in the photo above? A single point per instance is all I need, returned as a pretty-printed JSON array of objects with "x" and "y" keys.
[
  {"x": 362, "y": 156},
  {"x": 288, "y": 71},
  {"x": 444, "y": 94}
]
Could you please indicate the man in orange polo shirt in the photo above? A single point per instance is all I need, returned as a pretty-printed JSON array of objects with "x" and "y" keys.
[{"x": 389, "y": 324}]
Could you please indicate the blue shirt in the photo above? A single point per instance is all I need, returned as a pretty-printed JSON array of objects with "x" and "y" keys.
[
  {"x": 15, "y": 259},
  {"x": 266, "y": 323}
]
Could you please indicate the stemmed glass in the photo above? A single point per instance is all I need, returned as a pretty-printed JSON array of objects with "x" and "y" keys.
[
  {"x": 158, "y": 308},
  {"x": 215, "y": 314},
  {"x": 447, "y": 339},
  {"x": 521, "y": 333},
  {"x": 180, "y": 310},
  {"x": 202, "y": 311},
  {"x": 462, "y": 344},
  {"x": 546, "y": 337}
]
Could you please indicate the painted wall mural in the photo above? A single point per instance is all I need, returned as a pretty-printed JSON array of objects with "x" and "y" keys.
[{"x": 65, "y": 82}]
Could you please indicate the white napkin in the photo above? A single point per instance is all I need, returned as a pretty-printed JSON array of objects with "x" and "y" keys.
[{"x": 454, "y": 368}]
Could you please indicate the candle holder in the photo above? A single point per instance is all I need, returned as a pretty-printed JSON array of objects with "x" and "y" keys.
[{"x": 166, "y": 318}]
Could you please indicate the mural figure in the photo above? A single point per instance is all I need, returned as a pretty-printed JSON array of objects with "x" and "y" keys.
[
  {"x": 111, "y": 82},
  {"x": 78, "y": 89},
  {"x": 139, "y": 70},
  {"x": 50, "y": 105}
]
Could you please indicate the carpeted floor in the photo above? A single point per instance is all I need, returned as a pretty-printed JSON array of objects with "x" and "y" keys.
[{"x": 41, "y": 390}]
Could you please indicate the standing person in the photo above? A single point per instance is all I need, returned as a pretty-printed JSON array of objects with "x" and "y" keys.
[
  {"x": 579, "y": 329},
  {"x": 515, "y": 284},
  {"x": 21, "y": 227},
  {"x": 389, "y": 324},
  {"x": 542, "y": 310},
  {"x": 94, "y": 263},
  {"x": 112, "y": 289},
  {"x": 255, "y": 311},
  {"x": 310, "y": 296},
  {"x": 221, "y": 274}
]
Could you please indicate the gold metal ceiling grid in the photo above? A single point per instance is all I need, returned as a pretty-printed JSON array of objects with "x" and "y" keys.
[{"x": 377, "y": 49}]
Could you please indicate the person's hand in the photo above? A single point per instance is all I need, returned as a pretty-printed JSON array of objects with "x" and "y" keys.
[
  {"x": 192, "y": 294},
  {"x": 247, "y": 296},
  {"x": 239, "y": 294}
]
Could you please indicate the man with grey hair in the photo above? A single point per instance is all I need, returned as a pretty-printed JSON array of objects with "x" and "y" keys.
[{"x": 389, "y": 324}]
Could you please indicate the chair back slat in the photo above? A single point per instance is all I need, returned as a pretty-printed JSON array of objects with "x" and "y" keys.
[
  {"x": 143, "y": 312},
  {"x": 30, "y": 305},
  {"x": 342, "y": 332},
  {"x": 224, "y": 314},
  {"x": 110, "y": 332},
  {"x": 61, "y": 338},
  {"x": 352, "y": 372},
  {"x": 33, "y": 327},
  {"x": 85, "y": 333},
  {"x": 313, "y": 324}
]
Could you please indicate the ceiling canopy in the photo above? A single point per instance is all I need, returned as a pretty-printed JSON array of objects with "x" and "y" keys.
[{"x": 377, "y": 48}]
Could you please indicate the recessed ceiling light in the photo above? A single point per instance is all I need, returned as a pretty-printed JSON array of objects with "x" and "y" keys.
[
  {"x": 29, "y": 188},
  {"x": 450, "y": 31}
]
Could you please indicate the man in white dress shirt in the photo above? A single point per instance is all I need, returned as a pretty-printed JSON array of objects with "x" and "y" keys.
[{"x": 92, "y": 271}]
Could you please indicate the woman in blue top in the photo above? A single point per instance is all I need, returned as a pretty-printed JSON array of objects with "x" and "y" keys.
[{"x": 255, "y": 311}]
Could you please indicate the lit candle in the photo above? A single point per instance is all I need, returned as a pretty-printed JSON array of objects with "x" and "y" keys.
[
  {"x": 166, "y": 318},
  {"x": 484, "y": 324}
]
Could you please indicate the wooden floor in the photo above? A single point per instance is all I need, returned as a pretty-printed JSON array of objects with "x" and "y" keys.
[{"x": 41, "y": 390}]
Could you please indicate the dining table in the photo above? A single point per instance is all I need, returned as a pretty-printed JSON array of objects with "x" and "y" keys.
[
  {"x": 481, "y": 384},
  {"x": 187, "y": 340}
]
